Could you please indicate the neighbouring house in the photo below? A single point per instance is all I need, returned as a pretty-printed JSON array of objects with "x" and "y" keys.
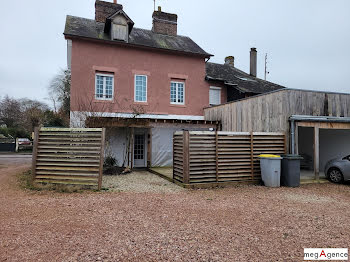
[
  {"x": 142, "y": 85},
  {"x": 237, "y": 83}
]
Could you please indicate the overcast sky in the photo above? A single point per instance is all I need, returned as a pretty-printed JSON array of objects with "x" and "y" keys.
[{"x": 308, "y": 42}]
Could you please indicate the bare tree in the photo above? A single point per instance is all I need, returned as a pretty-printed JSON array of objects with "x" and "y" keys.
[
  {"x": 33, "y": 113},
  {"x": 10, "y": 112},
  {"x": 59, "y": 92}
]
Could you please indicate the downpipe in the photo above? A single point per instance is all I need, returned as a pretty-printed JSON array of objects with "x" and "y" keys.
[{"x": 292, "y": 136}]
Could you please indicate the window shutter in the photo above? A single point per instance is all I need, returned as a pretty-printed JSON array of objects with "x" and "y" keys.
[
  {"x": 214, "y": 96},
  {"x": 119, "y": 32}
]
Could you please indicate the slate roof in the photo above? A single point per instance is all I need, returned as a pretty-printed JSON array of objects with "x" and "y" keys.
[
  {"x": 88, "y": 28},
  {"x": 242, "y": 81}
]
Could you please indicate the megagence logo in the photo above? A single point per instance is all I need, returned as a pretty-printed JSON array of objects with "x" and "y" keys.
[{"x": 324, "y": 254}]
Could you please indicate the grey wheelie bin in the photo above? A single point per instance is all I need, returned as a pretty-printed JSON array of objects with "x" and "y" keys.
[
  {"x": 270, "y": 170},
  {"x": 290, "y": 173}
]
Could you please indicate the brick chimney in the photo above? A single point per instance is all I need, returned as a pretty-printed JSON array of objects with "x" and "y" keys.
[
  {"x": 230, "y": 60},
  {"x": 164, "y": 23},
  {"x": 105, "y": 9},
  {"x": 253, "y": 61}
]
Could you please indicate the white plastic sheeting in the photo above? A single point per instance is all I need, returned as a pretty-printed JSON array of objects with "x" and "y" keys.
[
  {"x": 162, "y": 145},
  {"x": 116, "y": 142}
]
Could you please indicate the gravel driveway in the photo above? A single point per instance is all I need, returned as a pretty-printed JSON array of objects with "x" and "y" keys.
[
  {"x": 140, "y": 182},
  {"x": 247, "y": 223}
]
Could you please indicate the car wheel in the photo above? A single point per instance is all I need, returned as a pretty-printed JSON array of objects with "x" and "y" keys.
[{"x": 335, "y": 175}]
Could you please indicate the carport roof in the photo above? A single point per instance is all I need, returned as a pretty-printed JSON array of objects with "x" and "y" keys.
[{"x": 329, "y": 119}]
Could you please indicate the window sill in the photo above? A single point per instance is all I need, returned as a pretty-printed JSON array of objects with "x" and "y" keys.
[
  {"x": 103, "y": 101},
  {"x": 178, "y": 105},
  {"x": 141, "y": 103}
]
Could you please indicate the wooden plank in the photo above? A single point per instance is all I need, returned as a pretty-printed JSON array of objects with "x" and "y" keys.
[
  {"x": 69, "y": 156},
  {"x": 75, "y": 178},
  {"x": 43, "y": 163},
  {"x": 35, "y": 152},
  {"x": 63, "y": 168},
  {"x": 67, "y": 160},
  {"x": 49, "y": 129},
  {"x": 186, "y": 157},
  {"x": 63, "y": 173},
  {"x": 70, "y": 135},
  {"x": 65, "y": 182},
  {"x": 103, "y": 138},
  {"x": 72, "y": 147}
]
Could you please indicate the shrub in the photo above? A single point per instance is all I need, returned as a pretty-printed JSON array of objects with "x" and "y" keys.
[{"x": 110, "y": 161}]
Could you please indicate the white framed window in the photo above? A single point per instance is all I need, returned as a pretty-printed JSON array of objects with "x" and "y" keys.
[
  {"x": 215, "y": 95},
  {"x": 104, "y": 87},
  {"x": 140, "y": 88},
  {"x": 177, "y": 93}
]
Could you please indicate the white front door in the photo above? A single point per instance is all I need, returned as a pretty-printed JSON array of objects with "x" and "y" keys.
[{"x": 140, "y": 150}]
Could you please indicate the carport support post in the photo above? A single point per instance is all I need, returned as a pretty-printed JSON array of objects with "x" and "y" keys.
[{"x": 317, "y": 152}]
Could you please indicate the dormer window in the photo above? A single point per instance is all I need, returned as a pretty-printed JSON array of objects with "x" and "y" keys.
[{"x": 119, "y": 26}]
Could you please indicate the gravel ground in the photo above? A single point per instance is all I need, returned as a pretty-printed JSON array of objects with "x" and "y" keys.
[
  {"x": 140, "y": 182},
  {"x": 247, "y": 223}
]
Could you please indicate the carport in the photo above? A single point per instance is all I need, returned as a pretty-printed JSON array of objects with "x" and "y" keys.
[{"x": 341, "y": 136}]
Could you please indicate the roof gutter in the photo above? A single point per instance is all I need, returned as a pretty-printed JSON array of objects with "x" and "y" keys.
[
  {"x": 324, "y": 119},
  {"x": 220, "y": 79},
  {"x": 69, "y": 36}
]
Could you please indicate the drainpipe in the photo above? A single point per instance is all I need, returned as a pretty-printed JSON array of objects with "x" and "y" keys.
[{"x": 292, "y": 136}]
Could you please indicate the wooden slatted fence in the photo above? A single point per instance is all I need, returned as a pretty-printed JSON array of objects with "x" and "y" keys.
[
  {"x": 72, "y": 156},
  {"x": 216, "y": 157}
]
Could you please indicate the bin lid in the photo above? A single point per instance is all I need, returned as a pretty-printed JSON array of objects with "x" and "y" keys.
[
  {"x": 269, "y": 156},
  {"x": 292, "y": 157}
]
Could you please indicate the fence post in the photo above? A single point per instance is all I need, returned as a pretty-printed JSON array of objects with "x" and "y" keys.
[
  {"x": 16, "y": 145},
  {"x": 103, "y": 135},
  {"x": 186, "y": 157},
  {"x": 252, "y": 154},
  {"x": 217, "y": 155},
  {"x": 35, "y": 152}
]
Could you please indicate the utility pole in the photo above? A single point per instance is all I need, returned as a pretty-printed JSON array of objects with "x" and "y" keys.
[{"x": 266, "y": 72}]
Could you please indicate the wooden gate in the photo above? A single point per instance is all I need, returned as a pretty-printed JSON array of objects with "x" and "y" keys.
[
  {"x": 217, "y": 157},
  {"x": 72, "y": 156}
]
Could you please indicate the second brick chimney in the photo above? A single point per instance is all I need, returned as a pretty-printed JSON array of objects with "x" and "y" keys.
[{"x": 164, "y": 23}]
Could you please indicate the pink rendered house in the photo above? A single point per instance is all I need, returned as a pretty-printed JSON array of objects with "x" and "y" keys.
[{"x": 142, "y": 85}]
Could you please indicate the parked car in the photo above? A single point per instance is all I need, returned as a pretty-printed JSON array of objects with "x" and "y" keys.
[
  {"x": 338, "y": 170},
  {"x": 24, "y": 142}
]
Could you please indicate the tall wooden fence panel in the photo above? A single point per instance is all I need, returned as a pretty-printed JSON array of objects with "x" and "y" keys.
[
  {"x": 215, "y": 157},
  {"x": 72, "y": 156}
]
